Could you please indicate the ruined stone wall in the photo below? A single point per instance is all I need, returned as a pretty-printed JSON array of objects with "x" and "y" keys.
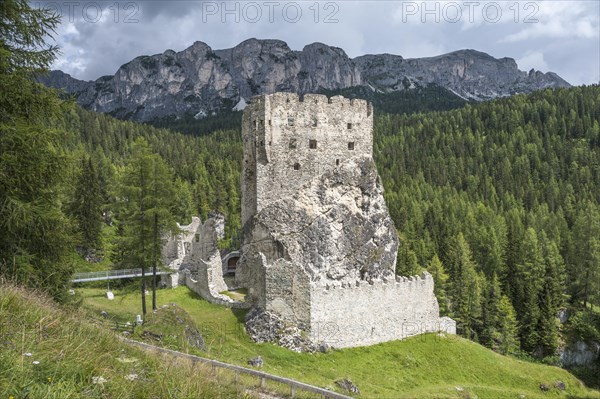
[
  {"x": 201, "y": 285},
  {"x": 196, "y": 260},
  {"x": 176, "y": 247},
  {"x": 366, "y": 314},
  {"x": 287, "y": 142}
]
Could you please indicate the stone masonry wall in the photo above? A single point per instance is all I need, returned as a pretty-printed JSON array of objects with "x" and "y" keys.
[
  {"x": 366, "y": 314},
  {"x": 288, "y": 141}
]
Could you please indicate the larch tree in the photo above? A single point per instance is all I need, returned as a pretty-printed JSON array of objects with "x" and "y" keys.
[
  {"x": 505, "y": 339},
  {"x": 440, "y": 280},
  {"x": 146, "y": 193},
  {"x": 529, "y": 285},
  {"x": 161, "y": 209}
]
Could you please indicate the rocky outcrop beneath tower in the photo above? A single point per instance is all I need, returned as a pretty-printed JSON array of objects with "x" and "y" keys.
[{"x": 336, "y": 230}]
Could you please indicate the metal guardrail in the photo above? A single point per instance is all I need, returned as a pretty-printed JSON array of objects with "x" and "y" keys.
[
  {"x": 117, "y": 326},
  {"x": 293, "y": 384},
  {"x": 113, "y": 275}
]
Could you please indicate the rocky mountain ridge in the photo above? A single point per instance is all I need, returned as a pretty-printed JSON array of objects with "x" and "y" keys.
[{"x": 200, "y": 80}]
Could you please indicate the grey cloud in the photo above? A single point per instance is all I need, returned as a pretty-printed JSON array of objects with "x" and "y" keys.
[
  {"x": 95, "y": 49},
  {"x": 176, "y": 9}
]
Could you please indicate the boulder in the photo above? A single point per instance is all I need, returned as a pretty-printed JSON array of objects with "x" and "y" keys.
[{"x": 347, "y": 385}]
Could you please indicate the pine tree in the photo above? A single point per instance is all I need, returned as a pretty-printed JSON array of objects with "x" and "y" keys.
[
  {"x": 465, "y": 287},
  {"x": 440, "y": 280},
  {"x": 505, "y": 338},
  {"x": 35, "y": 234},
  {"x": 86, "y": 206}
]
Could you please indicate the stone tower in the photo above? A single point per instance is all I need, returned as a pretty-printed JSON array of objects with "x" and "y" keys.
[
  {"x": 287, "y": 142},
  {"x": 319, "y": 247}
]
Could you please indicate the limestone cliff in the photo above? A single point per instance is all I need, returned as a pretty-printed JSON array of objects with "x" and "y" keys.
[
  {"x": 470, "y": 74},
  {"x": 200, "y": 80}
]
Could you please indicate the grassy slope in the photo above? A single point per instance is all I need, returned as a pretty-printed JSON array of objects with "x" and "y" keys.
[
  {"x": 71, "y": 351},
  {"x": 425, "y": 367}
]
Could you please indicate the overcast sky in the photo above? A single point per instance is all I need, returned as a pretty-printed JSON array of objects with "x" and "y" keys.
[{"x": 560, "y": 36}]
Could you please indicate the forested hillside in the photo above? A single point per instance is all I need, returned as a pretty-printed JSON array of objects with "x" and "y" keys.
[
  {"x": 411, "y": 100},
  {"x": 500, "y": 201},
  {"x": 206, "y": 169}
]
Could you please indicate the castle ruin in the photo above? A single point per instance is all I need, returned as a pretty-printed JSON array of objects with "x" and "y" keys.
[
  {"x": 195, "y": 260},
  {"x": 319, "y": 247}
]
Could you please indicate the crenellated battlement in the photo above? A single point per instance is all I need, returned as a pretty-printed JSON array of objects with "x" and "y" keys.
[
  {"x": 400, "y": 282},
  {"x": 269, "y": 119},
  {"x": 334, "y": 103}
]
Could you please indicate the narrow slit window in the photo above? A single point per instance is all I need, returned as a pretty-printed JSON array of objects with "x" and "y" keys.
[
  {"x": 292, "y": 144},
  {"x": 349, "y": 126},
  {"x": 337, "y": 162},
  {"x": 312, "y": 144},
  {"x": 351, "y": 145},
  {"x": 290, "y": 121},
  {"x": 296, "y": 166},
  {"x": 197, "y": 237},
  {"x": 315, "y": 122}
]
